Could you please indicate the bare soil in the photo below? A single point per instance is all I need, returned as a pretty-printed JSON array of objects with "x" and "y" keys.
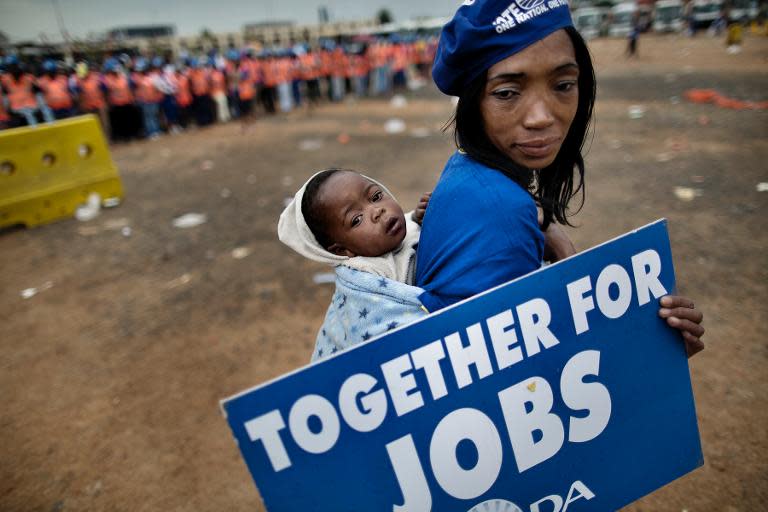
[{"x": 110, "y": 378}]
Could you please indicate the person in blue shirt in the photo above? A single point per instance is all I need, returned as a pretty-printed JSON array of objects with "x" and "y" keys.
[{"x": 526, "y": 89}]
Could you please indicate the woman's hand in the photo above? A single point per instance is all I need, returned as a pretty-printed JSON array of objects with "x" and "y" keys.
[
  {"x": 557, "y": 245},
  {"x": 681, "y": 314},
  {"x": 421, "y": 207}
]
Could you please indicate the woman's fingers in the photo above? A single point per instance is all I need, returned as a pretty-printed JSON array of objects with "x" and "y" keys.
[
  {"x": 693, "y": 345},
  {"x": 676, "y": 301},
  {"x": 694, "y": 315},
  {"x": 685, "y": 325}
]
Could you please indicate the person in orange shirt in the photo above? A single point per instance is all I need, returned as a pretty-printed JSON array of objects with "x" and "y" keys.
[
  {"x": 338, "y": 73},
  {"x": 219, "y": 93},
  {"x": 90, "y": 89},
  {"x": 247, "y": 74},
  {"x": 359, "y": 74},
  {"x": 269, "y": 82},
  {"x": 200, "y": 82},
  {"x": 124, "y": 118},
  {"x": 283, "y": 79},
  {"x": 5, "y": 117},
  {"x": 22, "y": 94},
  {"x": 399, "y": 65},
  {"x": 183, "y": 97},
  {"x": 148, "y": 96},
  {"x": 310, "y": 73},
  {"x": 56, "y": 90}
]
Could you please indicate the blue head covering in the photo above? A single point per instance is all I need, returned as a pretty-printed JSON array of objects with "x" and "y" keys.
[{"x": 484, "y": 32}]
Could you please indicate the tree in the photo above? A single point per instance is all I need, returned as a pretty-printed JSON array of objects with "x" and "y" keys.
[{"x": 384, "y": 17}]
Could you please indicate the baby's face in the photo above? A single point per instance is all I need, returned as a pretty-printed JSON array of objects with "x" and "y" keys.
[{"x": 361, "y": 218}]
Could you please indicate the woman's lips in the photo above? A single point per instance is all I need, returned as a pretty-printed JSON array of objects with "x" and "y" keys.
[{"x": 538, "y": 148}]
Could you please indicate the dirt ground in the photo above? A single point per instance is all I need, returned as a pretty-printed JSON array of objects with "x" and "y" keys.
[{"x": 110, "y": 378}]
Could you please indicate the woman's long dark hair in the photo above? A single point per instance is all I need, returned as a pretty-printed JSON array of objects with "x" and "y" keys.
[{"x": 554, "y": 186}]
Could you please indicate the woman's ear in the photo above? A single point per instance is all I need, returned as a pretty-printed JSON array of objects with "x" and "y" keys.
[{"x": 340, "y": 250}]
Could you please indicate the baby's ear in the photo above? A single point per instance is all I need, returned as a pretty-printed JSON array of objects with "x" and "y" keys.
[{"x": 340, "y": 250}]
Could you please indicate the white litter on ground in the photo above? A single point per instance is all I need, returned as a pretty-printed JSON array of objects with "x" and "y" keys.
[
  {"x": 241, "y": 252},
  {"x": 393, "y": 126},
  {"x": 28, "y": 293},
  {"x": 686, "y": 193},
  {"x": 90, "y": 210},
  {"x": 310, "y": 144},
  {"x": 398, "y": 101},
  {"x": 190, "y": 220},
  {"x": 110, "y": 202},
  {"x": 207, "y": 165},
  {"x": 636, "y": 112},
  {"x": 762, "y": 186}
]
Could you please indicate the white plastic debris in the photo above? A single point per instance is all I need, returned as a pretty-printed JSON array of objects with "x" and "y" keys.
[
  {"x": 636, "y": 112},
  {"x": 394, "y": 125},
  {"x": 762, "y": 186},
  {"x": 310, "y": 144},
  {"x": 207, "y": 165},
  {"x": 126, "y": 231},
  {"x": 110, "y": 202},
  {"x": 420, "y": 133},
  {"x": 28, "y": 293},
  {"x": 664, "y": 157},
  {"x": 190, "y": 220},
  {"x": 116, "y": 224},
  {"x": 398, "y": 101},
  {"x": 686, "y": 193},
  {"x": 324, "y": 278},
  {"x": 90, "y": 210},
  {"x": 241, "y": 252},
  {"x": 179, "y": 281},
  {"x": 733, "y": 49}
]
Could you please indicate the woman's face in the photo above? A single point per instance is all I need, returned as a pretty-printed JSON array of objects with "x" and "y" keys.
[{"x": 530, "y": 100}]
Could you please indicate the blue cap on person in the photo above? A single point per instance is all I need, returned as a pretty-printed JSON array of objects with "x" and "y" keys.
[
  {"x": 49, "y": 65},
  {"x": 484, "y": 32}
]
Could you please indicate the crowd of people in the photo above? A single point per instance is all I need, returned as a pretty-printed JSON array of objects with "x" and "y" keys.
[{"x": 145, "y": 96}]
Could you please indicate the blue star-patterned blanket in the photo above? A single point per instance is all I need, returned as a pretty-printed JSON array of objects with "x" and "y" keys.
[{"x": 364, "y": 306}]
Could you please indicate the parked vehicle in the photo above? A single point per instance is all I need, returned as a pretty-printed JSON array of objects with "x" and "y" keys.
[
  {"x": 622, "y": 17},
  {"x": 668, "y": 16},
  {"x": 589, "y": 21},
  {"x": 705, "y": 12},
  {"x": 743, "y": 11}
]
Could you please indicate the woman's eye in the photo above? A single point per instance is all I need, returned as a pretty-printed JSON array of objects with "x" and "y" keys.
[
  {"x": 566, "y": 86},
  {"x": 357, "y": 220},
  {"x": 505, "y": 94}
]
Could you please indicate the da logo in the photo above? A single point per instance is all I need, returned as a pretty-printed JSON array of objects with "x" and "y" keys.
[
  {"x": 529, "y": 4},
  {"x": 496, "y": 506}
]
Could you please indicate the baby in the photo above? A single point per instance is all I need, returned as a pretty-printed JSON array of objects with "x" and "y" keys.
[{"x": 342, "y": 218}]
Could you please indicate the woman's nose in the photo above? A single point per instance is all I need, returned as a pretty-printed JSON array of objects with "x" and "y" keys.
[{"x": 538, "y": 115}]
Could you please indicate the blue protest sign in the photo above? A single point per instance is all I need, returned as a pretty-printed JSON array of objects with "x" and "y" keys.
[{"x": 560, "y": 391}]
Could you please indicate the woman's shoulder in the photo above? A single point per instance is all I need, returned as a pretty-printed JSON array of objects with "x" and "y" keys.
[{"x": 467, "y": 181}]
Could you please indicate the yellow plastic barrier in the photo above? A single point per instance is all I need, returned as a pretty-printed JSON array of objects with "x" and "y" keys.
[{"x": 47, "y": 171}]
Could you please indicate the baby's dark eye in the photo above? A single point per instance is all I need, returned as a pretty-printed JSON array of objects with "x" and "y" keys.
[
  {"x": 356, "y": 220},
  {"x": 377, "y": 196}
]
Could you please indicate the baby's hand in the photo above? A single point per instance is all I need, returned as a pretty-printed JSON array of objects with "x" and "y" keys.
[{"x": 421, "y": 207}]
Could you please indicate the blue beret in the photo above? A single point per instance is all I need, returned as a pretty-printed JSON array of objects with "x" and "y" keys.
[{"x": 484, "y": 32}]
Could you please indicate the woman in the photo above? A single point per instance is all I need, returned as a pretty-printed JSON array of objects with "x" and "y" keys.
[{"x": 526, "y": 89}]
